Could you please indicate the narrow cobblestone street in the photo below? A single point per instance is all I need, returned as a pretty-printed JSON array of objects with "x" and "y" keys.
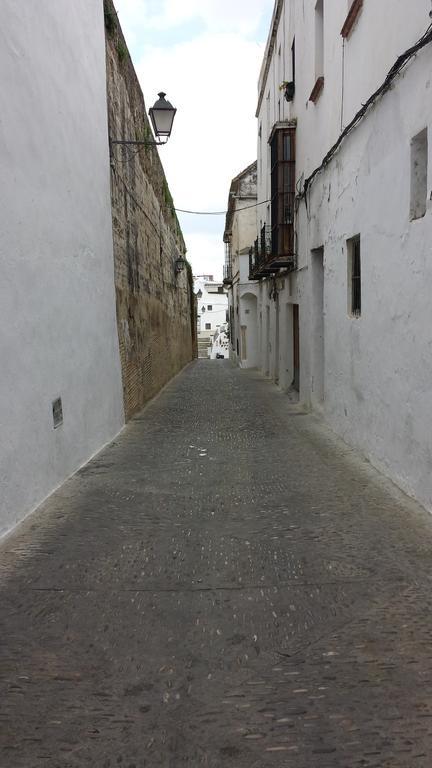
[{"x": 225, "y": 585}]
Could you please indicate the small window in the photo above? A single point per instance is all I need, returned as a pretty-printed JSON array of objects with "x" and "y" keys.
[
  {"x": 208, "y": 326},
  {"x": 57, "y": 410},
  {"x": 419, "y": 173},
  {"x": 209, "y": 307},
  {"x": 354, "y": 277}
]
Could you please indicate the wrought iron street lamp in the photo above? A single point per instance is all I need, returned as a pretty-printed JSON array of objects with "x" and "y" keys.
[
  {"x": 162, "y": 115},
  {"x": 179, "y": 264}
]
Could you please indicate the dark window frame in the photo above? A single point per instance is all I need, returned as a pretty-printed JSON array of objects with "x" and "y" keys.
[
  {"x": 354, "y": 254},
  {"x": 282, "y": 170}
]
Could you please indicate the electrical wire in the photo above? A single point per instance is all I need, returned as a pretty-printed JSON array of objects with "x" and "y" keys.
[
  {"x": 220, "y": 213},
  {"x": 183, "y": 210},
  {"x": 397, "y": 67}
]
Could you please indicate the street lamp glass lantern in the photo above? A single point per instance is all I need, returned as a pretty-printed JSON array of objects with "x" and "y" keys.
[
  {"x": 162, "y": 115},
  {"x": 180, "y": 264}
]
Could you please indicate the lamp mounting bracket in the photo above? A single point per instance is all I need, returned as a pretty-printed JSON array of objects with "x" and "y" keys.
[{"x": 137, "y": 143}]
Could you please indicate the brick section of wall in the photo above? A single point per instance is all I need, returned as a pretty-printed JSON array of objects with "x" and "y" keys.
[{"x": 155, "y": 307}]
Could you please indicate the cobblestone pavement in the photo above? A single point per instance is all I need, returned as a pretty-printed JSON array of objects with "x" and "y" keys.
[{"x": 225, "y": 585}]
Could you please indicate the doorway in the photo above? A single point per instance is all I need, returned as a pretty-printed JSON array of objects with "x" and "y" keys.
[
  {"x": 318, "y": 325},
  {"x": 277, "y": 342},
  {"x": 296, "y": 347},
  {"x": 267, "y": 344},
  {"x": 249, "y": 319}
]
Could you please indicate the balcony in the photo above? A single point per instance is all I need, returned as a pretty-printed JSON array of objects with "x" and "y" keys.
[
  {"x": 265, "y": 258},
  {"x": 228, "y": 277},
  {"x": 227, "y": 274}
]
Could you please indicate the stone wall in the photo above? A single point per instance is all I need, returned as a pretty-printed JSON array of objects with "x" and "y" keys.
[{"x": 155, "y": 307}]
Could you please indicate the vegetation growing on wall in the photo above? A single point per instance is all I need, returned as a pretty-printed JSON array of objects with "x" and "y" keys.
[
  {"x": 110, "y": 20},
  {"x": 122, "y": 51},
  {"x": 169, "y": 202}
]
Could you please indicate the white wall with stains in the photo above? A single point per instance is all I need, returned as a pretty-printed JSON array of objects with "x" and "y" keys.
[
  {"x": 57, "y": 305},
  {"x": 370, "y": 376}
]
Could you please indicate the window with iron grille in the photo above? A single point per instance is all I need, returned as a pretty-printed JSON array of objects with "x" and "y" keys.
[
  {"x": 282, "y": 191},
  {"x": 228, "y": 260},
  {"x": 354, "y": 276}
]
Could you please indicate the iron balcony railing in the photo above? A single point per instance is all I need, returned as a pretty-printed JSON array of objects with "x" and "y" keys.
[
  {"x": 228, "y": 264},
  {"x": 264, "y": 259},
  {"x": 260, "y": 252}
]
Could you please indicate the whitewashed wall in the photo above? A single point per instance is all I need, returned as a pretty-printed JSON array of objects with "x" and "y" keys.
[
  {"x": 378, "y": 368},
  {"x": 57, "y": 306},
  {"x": 369, "y": 376},
  {"x": 243, "y": 294}
]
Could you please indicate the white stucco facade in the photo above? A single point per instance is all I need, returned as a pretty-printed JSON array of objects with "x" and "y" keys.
[
  {"x": 369, "y": 374},
  {"x": 239, "y": 234},
  {"x": 57, "y": 303},
  {"x": 212, "y": 304}
]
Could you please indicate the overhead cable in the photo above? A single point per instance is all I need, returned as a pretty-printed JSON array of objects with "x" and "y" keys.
[
  {"x": 397, "y": 67},
  {"x": 220, "y": 213}
]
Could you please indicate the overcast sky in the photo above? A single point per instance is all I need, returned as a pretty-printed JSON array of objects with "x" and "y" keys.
[{"x": 206, "y": 55}]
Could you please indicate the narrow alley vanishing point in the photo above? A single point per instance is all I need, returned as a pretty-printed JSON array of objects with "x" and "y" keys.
[{"x": 226, "y": 584}]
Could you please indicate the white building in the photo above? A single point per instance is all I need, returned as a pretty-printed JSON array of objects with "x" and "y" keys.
[
  {"x": 344, "y": 275},
  {"x": 212, "y": 304},
  {"x": 240, "y": 231},
  {"x": 60, "y": 391}
]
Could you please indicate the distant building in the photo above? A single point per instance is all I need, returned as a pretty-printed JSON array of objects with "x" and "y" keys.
[
  {"x": 240, "y": 231},
  {"x": 212, "y": 304}
]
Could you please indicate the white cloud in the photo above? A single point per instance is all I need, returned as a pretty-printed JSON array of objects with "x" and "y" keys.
[
  {"x": 241, "y": 16},
  {"x": 204, "y": 254},
  {"x": 212, "y": 80}
]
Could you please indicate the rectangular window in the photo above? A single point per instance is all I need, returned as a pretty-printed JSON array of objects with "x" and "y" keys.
[
  {"x": 210, "y": 307},
  {"x": 282, "y": 150},
  {"x": 208, "y": 326},
  {"x": 354, "y": 277},
  {"x": 419, "y": 173},
  {"x": 57, "y": 410}
]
